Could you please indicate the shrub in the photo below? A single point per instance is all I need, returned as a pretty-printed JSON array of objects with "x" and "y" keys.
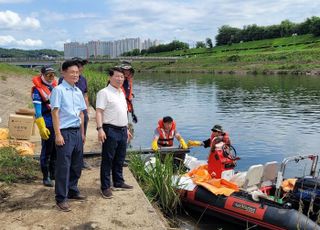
[{"x": 233, "y": 58}]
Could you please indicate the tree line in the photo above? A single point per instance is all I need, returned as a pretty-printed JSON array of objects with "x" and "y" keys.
[
  {"x": 16, "y": 53},
  {"x": 174, "y": 45},
  {"x": 228, "y": 35}
]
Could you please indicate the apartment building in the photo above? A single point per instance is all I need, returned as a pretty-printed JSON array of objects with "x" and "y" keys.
[{"x": 105, "y": 48}]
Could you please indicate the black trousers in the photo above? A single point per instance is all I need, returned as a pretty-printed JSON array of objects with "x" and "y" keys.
[{"x": 113, "y": 156}]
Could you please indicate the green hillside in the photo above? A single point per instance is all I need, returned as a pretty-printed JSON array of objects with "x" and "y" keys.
[
  {"x": 17, "y": 53},
  {"x": 289, "y": 55}
]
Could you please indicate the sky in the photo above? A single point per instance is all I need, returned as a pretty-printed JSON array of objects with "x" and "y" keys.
[{"x": 48, "y": 24}]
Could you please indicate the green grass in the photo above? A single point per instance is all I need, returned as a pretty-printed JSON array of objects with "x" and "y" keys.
[
  {"x": 15, "y": 168},
  {"x": 301, "y": 41},
  {"x": 6, "y": 69},
  {"x": 157, "y": 182},
  {"x": 96, "y": 81},
  {"x": 295, "y": 55}
]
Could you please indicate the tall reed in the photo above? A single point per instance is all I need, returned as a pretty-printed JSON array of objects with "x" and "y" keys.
[
  {"x": 96, "y": 81},
  {"x": 157, "y": 181}
]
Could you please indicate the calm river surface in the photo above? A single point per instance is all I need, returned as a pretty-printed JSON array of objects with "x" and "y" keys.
[{"x": 267, "y": 117}]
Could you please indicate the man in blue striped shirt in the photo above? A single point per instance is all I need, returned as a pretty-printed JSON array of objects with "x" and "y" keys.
[{"x": 67, "y": 104}]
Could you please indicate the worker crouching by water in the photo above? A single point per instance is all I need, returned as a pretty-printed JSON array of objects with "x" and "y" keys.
[
  {"x": 219, "y": 159},
  {"x": 164, "y": 136}
]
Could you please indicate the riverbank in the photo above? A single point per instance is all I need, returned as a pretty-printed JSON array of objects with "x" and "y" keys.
[
  {"x": 296, "y": 55},
  {"x": 32, "y": 206},
  {"x": 315, "y": 72}
]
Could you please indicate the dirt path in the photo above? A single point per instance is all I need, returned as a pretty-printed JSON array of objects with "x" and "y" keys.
[{"x": 32, "y": 206}]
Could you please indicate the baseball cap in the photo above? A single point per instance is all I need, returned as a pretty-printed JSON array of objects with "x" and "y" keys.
[{"x": 47, "y": 69}]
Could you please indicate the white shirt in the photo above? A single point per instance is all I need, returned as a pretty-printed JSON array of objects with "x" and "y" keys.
[{"x": 113, "y": 103}]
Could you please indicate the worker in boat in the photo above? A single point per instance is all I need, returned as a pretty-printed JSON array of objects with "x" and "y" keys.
[
  {"x": 164, "y": 136},
  {"x": 41, "y": 91},
  {"x": 127, "y": 87},
  {"x": 217, "y": 142},
  {"x": 217, "y": 136},
  {"x": 165, "y": 133}
]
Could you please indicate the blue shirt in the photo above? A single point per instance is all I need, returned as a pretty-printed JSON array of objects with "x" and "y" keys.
[
  {"x": 81, "y": 84},
  {"x": 70, "y": 102}
]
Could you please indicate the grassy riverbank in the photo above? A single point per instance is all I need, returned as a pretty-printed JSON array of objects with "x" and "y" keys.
[
  {"x": 291, "y": 55},
  {"x": 157, "y": 181},
  {"x": 16, "y": 168},
  {"x": 7, "y": 70}
]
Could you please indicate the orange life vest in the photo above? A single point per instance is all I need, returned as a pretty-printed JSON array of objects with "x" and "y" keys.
[
  {"x": 43, "y": 89},
  {"x": 128, "y": 94},
  {"x": 166, "y": 138}
]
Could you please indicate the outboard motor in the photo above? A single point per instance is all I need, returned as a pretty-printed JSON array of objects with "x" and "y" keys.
[
  {"x": 306, "y": 189},
  {"x": 222, "y": 161}
]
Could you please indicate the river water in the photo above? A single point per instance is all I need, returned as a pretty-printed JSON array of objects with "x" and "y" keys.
[{"x": 267, "y": 117}]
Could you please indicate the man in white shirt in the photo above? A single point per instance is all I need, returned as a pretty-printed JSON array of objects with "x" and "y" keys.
[{"x": 112, "y": 121}]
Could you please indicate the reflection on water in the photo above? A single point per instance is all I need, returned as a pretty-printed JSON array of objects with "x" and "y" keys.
[{"x": 267, "y": 117}]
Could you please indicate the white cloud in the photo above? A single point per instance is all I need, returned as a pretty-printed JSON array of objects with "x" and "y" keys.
[
  {"x": 6, "y": 40},
  {"x": 59, "y": 45},
  {"x": 165, "y": 20},
  {"x": 9, "y": 41},
  {"x": 148, "y": 19},
  {"x": 29, "y": 43},
  {"x": 11, "y": 20}
]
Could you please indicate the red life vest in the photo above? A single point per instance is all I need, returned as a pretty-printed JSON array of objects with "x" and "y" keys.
[
  {"x": 128, "y": 94},
  {"x": 166, "y": 138},
  {"x": 43, "y": 89},
  {"x": 217, "y": 162}
]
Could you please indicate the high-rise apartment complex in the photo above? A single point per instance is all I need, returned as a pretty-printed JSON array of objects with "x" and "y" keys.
[{"x": 102, "y": 48}]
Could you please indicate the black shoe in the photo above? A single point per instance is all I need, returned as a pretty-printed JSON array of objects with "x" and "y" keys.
[
  {"x": 124, "y": 186},
  {"x": 64, "y": 206},
  {"x": 77, "y": 197},
  {"x": 106, "y": 193}
]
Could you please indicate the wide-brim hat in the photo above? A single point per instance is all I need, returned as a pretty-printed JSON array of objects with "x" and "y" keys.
[
  {"x": 126, "y": 65},
  {"x": 217, "y": 128}
]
